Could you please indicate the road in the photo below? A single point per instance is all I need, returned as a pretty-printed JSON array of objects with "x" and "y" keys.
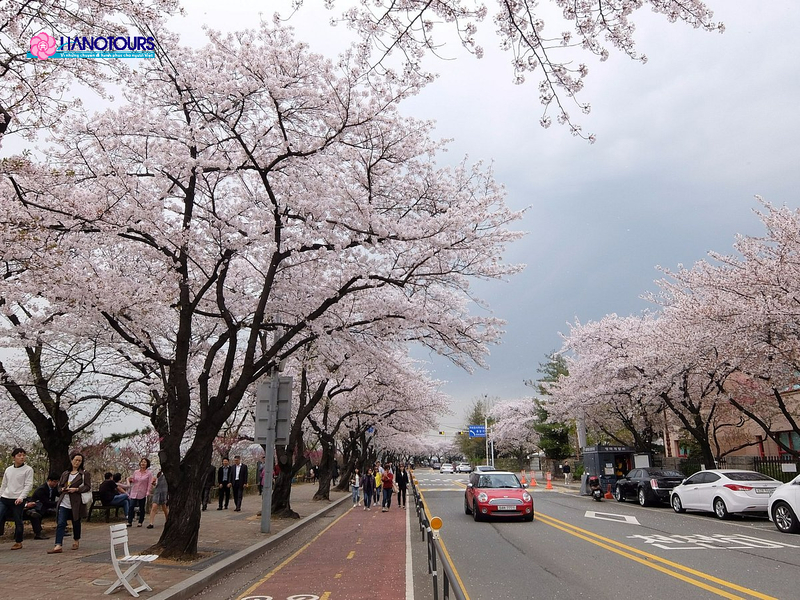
[{"x": 579, "y": 548}]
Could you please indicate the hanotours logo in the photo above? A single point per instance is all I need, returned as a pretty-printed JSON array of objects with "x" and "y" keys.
[{"x": 44, "y": 46}]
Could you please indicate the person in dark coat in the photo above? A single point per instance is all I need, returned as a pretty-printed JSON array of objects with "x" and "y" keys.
[{"x": 401, "y": 479}]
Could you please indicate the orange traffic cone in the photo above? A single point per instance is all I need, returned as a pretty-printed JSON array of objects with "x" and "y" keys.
[
  {"x": 533, "y": 479},
  {"x": 522, "y": 481},
  {"x": 609, "y": 495},
  {"x": 549, "y": 485}
]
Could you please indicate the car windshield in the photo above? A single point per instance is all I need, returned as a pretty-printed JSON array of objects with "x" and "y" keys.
[
  {"x": 665, "y": 474},
  {"x": 499, "y": 481},
  {"x": 748, "y": 476}
]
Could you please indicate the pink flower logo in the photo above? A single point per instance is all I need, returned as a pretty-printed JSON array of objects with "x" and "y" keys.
[{"x": 43, "y": 45}]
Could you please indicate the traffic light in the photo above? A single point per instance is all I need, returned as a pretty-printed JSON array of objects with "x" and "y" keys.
[
  {"x": 459, "y": 433},
  {"x": 441, "y": 433}
]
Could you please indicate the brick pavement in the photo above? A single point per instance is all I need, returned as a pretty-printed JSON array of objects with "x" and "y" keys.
[
  {"x": 32, "y": 574},
  {"x": 360, "y": 556}
]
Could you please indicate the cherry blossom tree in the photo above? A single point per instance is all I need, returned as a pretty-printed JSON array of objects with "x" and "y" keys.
[
  {"x": 250, "y": 187},
  {"x": 513, "y": 432},
  {"x": 548, "y": 39}
]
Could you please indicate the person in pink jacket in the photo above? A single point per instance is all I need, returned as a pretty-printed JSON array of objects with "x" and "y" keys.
[{"x": 142, "y": 482}]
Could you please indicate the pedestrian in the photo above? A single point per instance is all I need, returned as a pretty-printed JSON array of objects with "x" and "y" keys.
[
  {"x": 72, "y": 484},
  {"x": 208, "y": 483},
  {"x": 387, "y": 481},
  {"x": 378, "y": 486},
  {"x": 369, "y": 488},
  {"x": 111, "y": 494},
  {"x": 260, "y": 474},
  {"x": 160, "y": 498},
  {"x": 239, "y": 482},
  {"x": 565, "y": 468},
  {"x": 17, "y": 484},
  {"x": 355, "y": 483},
  {"x": 141, "y": 483},
  {"x": 225, "y": 482},
  {"x": 402, "y": 484}
]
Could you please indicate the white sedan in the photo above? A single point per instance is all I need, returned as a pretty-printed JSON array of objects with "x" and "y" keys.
[
  {"x": 784, "y": 506},
  {"x": 724, "y": 491},
  {"x": 446, "y": 468}
]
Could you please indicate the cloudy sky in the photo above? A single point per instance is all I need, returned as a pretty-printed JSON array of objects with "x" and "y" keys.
[{"x": 684, "y": 143}]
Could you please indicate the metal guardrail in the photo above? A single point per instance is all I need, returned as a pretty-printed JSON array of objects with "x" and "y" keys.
[{"x": 451, "y": 586}]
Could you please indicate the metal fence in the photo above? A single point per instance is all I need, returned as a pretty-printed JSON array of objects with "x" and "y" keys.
[
  {"x": 436, "y": 558},
  {"x": 783, "y": 468}
]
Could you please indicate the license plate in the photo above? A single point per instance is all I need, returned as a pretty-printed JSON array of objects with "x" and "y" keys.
[
  {"x": 506, "y": 508},
  {"x": 765, "y": 491}
]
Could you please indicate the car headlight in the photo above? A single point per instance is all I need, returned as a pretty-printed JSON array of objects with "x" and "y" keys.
[
  {"x": 526, "y": 496},
  {"x": 482, "y": 497}
]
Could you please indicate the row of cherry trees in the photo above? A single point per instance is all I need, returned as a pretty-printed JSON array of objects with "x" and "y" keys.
[
  {"x": 247, "y": 203},
  {"x": 722, "y": 350}
]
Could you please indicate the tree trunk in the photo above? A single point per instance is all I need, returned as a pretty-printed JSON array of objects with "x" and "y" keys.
[
  {"x": 57, "y": 449},
  {"x": 178, "y": 540},
  {"x": 326, "y": 462}
]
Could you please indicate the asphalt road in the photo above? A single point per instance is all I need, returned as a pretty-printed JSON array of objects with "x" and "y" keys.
[{"x": 579, "y": 548}]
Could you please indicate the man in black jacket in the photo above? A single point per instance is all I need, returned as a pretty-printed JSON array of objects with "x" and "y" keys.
[
  {"x": 239, "y": 482},
  {"x": 225, "y": 482},
  {"x": 46, "y": 495},
  {"x": 401, "y": 479}
]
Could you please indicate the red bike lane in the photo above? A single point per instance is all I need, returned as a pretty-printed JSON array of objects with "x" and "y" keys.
[{"x": 359, "y": 555}]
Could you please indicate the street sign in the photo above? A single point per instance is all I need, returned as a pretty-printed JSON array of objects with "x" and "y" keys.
[
  {"x": 477, "y": 431},
  {"x": 282, "y": 416}
]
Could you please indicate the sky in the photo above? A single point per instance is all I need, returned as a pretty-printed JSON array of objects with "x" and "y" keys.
[{"x": 684, "y": 143}]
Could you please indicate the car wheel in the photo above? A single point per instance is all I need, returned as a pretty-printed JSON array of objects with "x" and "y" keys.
[
  {"x": 784, "y": 518},
  {"x": 476, "y": 514},
  {"x": 720, "y": 509},
  {"x": 618, "y": 494},
  {"x": 528, "y": 518},
  {"x": 643, "y": 500},
  {"x": 677, "y": 506},
  {"x": 467, "y": 511}
]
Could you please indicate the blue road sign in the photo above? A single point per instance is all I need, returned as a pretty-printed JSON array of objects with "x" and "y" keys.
[{"x": 476, "y": 431}]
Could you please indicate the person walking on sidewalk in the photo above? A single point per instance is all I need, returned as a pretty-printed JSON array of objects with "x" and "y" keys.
[
  {"x": 225, "y": 481},
  {"x": 72, "y": 484},
  {"x": 387, "y": 481},
  {"x": 355, "y": 484},
  {"x": 402, "y": 483},
  {"x": 368, "y": 486},
  {"x": 565, "y": 468},
  {"x": 159, "y": 498},
  {"x": 141, "y": 482},
  {"x": 378, "y": 486},
  {"x": 239, "y": 482},
  {"x": 17, "y": 484}
]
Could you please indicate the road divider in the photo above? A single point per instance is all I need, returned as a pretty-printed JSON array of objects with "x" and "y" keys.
[{"x": 668, "y": 567}]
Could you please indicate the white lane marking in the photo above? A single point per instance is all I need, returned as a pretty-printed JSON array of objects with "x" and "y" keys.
[
  {"x": 409, "y": 570},
  {"x": 718, "y": 541},
  {"x": 590, "y": 514}
]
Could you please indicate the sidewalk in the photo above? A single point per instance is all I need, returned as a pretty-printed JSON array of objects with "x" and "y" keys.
[
  {"x": 87, "y": 573},
  {"x": 360, "y": 556}
]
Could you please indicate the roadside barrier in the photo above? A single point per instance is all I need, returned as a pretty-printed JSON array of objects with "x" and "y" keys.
[{"x": 436, "y": 555}]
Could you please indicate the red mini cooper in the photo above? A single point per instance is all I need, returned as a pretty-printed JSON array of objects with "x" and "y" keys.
[{"x": 497, "y": 494}]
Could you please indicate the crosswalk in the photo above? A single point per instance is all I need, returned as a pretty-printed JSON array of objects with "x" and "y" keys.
[{"x": 434, "y": 483}]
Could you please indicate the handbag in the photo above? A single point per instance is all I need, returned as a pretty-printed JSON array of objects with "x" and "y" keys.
[{"x": 86, "y": 497}]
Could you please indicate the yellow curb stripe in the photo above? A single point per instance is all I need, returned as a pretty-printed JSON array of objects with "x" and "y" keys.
[
  {"x": 629, "y": 551},
  {"x": 444, "y": 549},
  {"x": 292, "y": 557},
  {"x": 351, "y": 555}
]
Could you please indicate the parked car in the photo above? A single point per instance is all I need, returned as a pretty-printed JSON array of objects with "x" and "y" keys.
[
  {"x": 724, "y": 491},
  {"x": 484, "y": 468},
  {"x": 784, "y": 506},
  {"x": 463, "y": 468},
  {"x": 446, "y": 468},
  {"x": 647, "y": 485},
  {"x": 497, "y": 494}
]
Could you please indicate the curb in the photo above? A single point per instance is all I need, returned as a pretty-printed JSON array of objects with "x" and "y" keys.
[{"x": 197, "y": 583}]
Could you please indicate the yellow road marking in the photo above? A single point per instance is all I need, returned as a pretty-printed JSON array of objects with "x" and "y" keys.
[
  {"x": 647, "y": 560},
  {"x": 325, "y": 596},
  {"x": 446, "y": 553},
  {"x": 291, "y": 558},
  {"x": 337, "y": 576},
  {"x": 351, "y": 555}
]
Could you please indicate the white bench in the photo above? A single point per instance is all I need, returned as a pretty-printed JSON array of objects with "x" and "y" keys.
[{"x": 119, "y": 537}]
